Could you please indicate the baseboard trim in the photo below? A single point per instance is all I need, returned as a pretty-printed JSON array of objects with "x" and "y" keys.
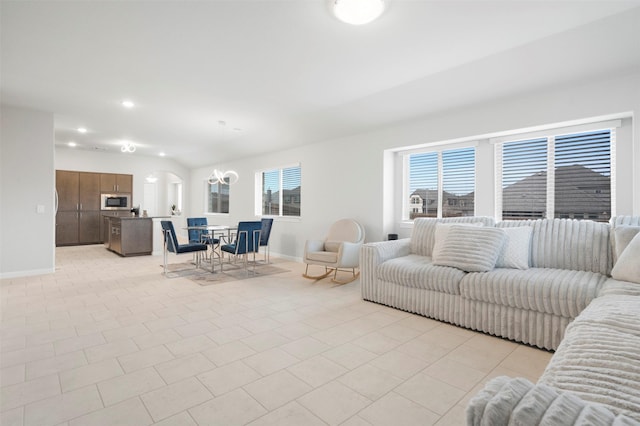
[{"x": 27, "y": 273}]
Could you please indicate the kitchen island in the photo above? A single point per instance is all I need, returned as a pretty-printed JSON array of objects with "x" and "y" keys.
[{"x": 128, "y": 235}]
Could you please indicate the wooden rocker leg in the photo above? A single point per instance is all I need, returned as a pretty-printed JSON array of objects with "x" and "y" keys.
[
  {"x": 353, "y": 278},
  {"x": 316, "y": 277}
]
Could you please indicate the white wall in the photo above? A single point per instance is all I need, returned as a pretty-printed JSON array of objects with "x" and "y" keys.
[
  {"x": 350, "y": 177},
  {"x": 26, "y": 182}
]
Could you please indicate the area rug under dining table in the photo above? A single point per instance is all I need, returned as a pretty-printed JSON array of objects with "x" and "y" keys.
[{"x": 203, "y": 275}]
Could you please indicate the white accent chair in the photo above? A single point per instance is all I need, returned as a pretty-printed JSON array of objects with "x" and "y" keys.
[{"x": 338, "y": 251}]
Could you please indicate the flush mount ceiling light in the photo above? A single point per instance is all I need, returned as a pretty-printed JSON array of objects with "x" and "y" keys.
[
  {"x": 82, "y": 130},
  {"x": 72, "y": 144},
  {"x": 358, "y": 12},
  {"x": 128, "y": 147},
  {"x": 128, "y": 104},
  {"x": 226, "y": 178}
]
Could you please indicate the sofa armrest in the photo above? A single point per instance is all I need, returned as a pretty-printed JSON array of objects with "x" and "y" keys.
[
  {"x": 507, "y": 401},
  {"x": 371, "y": 256},
  {"x": 384, "y": 250}
]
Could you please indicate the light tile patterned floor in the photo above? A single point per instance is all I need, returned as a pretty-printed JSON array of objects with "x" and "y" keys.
[{"x": 108, "y": 340}]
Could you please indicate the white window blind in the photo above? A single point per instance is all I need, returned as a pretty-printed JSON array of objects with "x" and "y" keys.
[
  {"x": 559, "y": 176},
  {"x": 524, "y": 179},
  {"x": 280, "y": 192},
  {"x": 458, "y": 182},
  {"x": 291, "y": 182},
  {"x": 217, "y": 198},
  {"x": 441, "y": 183},
  {"x": 583, "y": 176}
]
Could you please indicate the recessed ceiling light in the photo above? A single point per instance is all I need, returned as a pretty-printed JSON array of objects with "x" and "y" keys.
[
  {"x": 72, "y": 144},
  {"x": 162, "y": 154},
  {"x": 128, "y": 104},
  {"x": 82, "y": 130}
]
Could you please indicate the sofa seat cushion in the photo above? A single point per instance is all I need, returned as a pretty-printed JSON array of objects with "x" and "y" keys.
[
  {"x": 598, "y": 358},
  {"x": 419, "y": 272},
  {"x": 554, "y": 291}
]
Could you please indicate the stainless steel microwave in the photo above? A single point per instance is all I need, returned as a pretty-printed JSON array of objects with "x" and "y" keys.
[{"x": 115, "y": 202}]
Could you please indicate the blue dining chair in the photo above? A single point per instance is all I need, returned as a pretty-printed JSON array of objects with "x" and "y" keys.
[
  {"x": 199, "y": 235},
  {"x": 265, "y": 233},
  {"x": 247, "y": 241},
  {"x": 171, "y": 244}
]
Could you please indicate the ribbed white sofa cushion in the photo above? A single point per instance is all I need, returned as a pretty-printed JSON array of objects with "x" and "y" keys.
[
  {"x": 419, "y": 272},
  {"x": 580, "y": 245},
  {"x": 554, "y": 291}
]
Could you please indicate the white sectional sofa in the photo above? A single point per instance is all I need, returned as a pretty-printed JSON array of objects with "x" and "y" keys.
[
  {"x": 563, "y": 299},
  {"x": 568, "y": 262}
]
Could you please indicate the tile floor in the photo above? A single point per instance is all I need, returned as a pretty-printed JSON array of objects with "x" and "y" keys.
[{"x": 108, "y": 340}]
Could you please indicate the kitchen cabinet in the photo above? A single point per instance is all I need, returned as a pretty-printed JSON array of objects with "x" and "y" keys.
[
  {"x": 89, "y": 191},
  {"x": 111, "y": 182},
  {"x": 66, "y": 228},
  {"x": 79, "y": 216},
  {"x": 130, "y": 236}
]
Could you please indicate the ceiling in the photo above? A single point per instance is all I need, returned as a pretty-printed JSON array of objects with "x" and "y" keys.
[{"x": 220, "y": 80}]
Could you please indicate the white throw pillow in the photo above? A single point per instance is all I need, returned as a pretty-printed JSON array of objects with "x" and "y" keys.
[
  {"x": 627, "y": 268},
  {"x": 623, "y": 235},
  {"x": 515, "y": 253},
  {"x": 471, "y": 248},
  {"x": 441, "y": 233}
]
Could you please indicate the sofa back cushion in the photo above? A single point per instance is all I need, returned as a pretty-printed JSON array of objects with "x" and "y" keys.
[
  {"x": 423, "y": 234},
  {"x": 621, "y": 221},
  {"x": 580, "y": 245}
]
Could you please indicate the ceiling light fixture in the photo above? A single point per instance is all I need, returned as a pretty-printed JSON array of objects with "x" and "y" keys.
[
  {"x": 82, "y": 130},
  {"x": 162, "y": 154},
  {"x": 128, "y": 147},
  {"x": 72, "y": 144},
  {"x": 151, "y": 178},
  {"x": 226, "y": 178},
  {"x": 358, "y": 12},
  {"x": 128, "y": 104}
]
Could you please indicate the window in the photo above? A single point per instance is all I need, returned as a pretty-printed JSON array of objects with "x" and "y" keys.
[
  {"x": 280, "y": 192},
  {"x": 441, "y": 183},
  {"x": 217, "y": 197},
  {"x": 559, "y": 176}
]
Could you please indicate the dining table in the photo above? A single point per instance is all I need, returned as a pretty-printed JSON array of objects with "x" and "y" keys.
[{"x": 224, "y": 232}]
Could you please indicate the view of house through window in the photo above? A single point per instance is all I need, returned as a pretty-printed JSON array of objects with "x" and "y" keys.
[
  {"x": 442, "y": 183},
  {"x": 576, "y": 168},
  {"x": 280, "y": 192},
  {"x": 217, "y": 198}
]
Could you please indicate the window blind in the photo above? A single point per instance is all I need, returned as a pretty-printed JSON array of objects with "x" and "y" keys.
[
  {"x": 583, "y": 176},
  {"x": 441, "y": 183},
  {"x": 524, "y": 179},
  {"x": 458, "y": 182},
  {"x": 291, "y": 188}
]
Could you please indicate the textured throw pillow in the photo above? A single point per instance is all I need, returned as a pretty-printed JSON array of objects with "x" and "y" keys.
[
  {"x": 441, "y": 233},
  {"x": 471, "y": 248},
  {"x": 627, "y": 268},
  {"x": 515, "y": 252},
  {"x": 623, "y": 235}
]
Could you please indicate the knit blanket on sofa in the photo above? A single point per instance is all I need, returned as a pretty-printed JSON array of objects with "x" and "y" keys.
[
  {"x": 506, "y": 401},
  {"x": 599, "y": 358}
]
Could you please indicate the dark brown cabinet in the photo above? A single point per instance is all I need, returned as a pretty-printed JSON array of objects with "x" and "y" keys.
[
  {"x": 111, "y": 182},
  {"x": 129, "y": 236},
  {"x": 79, "y": 216}
]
